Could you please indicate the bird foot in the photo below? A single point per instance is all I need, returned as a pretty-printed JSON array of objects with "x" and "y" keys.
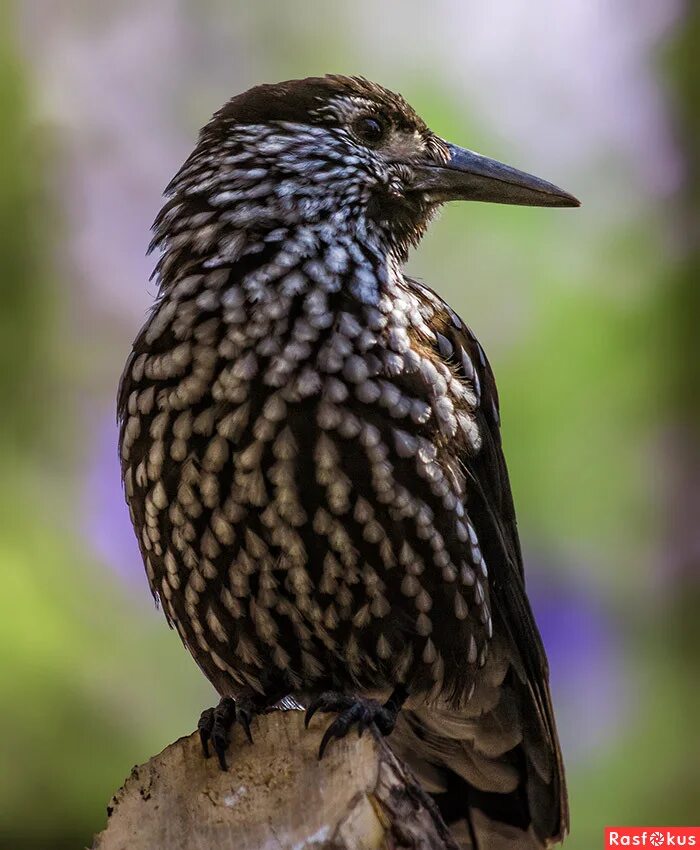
[
  {"x": 353, "y": 711},
  {"x": 215, "y": 725}
]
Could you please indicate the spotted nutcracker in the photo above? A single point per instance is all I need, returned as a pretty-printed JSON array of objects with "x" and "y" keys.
[{"x": 311, "y": 453}]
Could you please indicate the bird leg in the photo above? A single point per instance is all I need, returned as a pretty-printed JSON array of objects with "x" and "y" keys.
[
  {"x": 215, "y": 725},
  {"x": 355, "y": 711}
]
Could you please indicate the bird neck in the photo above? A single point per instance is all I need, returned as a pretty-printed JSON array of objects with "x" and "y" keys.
[
  {"x": 294, "y": 306},
  {"x": 279, "y": 263}
]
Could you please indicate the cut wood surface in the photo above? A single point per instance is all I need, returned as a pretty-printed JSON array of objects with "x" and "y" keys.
[{"x": 275, "y": 794}]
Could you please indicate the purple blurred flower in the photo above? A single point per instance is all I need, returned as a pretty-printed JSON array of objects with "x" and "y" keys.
[
  {"x": 106, "y": 525},
  {"x": 585, "y": 654}
]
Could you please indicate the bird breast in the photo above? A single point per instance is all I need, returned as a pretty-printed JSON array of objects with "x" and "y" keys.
[{"x": 291, "y": 442}]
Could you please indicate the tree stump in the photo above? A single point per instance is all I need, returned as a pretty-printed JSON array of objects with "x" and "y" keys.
[{"x": 276, "y": 795}]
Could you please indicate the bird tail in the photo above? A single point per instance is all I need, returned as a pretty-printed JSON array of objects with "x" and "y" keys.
[
  {"x": 494, "y": 771},
  {"x": 485, "y": 821}
]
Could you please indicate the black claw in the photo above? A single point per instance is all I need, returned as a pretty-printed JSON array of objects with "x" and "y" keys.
[
  {"x": 327, "y": 701},
  {"x": 244, "y": 718},
  {"x": 204, "y": 739},
  {"x": 327, "y": 735},
  {"x": 310, "y": 711},
  {"x": 220, "y": 750},
  {"x": 205, "y": 726},
  {"x": 354, "y": 711},
  {"x": 215, "y": 725}
]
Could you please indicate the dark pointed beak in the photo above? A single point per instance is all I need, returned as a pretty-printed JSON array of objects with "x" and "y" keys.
[{"x": 468, "y": 176}]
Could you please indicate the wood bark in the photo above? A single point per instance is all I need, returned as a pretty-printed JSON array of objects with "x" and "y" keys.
[{"x": 276, "y": 795}]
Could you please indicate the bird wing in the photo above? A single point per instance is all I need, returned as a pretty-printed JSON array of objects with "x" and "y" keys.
[{"x": 524, "y": 699}]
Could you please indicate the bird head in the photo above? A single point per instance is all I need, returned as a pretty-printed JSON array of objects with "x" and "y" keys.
[{"x": 341, "y": 153}]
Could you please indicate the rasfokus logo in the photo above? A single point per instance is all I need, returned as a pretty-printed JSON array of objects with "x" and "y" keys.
[{"x": 652, "y": 836}]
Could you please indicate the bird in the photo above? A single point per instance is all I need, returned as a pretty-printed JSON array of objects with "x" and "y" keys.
[{"x": 311, "y": 453}]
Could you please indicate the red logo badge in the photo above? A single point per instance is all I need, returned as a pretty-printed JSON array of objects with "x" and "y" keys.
[{"x": 652, "y": 836}]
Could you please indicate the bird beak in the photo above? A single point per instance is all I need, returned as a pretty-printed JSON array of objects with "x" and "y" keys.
[{"x": 468, "y": 176}]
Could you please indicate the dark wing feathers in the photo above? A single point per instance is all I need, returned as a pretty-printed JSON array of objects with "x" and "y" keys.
[
  {"x": 496, "y": 522},
  {"x": 492, "y": 513}
]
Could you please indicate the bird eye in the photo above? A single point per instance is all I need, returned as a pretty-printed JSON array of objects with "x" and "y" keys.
[{"x": 369, "y": 129}]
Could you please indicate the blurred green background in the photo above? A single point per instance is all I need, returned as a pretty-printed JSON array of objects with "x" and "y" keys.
[{"x": 590, "y": 318}]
